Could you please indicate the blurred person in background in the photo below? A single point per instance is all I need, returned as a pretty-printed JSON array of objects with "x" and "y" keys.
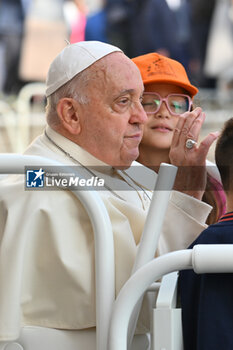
[
  {"x": 78, "y": 23},
  {"x": 123, "y": 23},
  {"x": 174, "y": 28},
  {"x": 201, "y": 13},
  {"x": 168, "y": 94},
  {"x": 181, "y": 10},
  {"x": 12, "y": 16},
  {"x": 144, "y": 26},
  {"x": 96, "y": 24},
  {"x": 45, "y": 31},
  {"x": 162, "y": 27},
  {"x": 219, "y": 54}
]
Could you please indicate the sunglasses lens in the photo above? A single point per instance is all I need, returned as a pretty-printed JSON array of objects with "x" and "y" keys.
[
  {"x": 151, "y": 103},
  {"x": 178, "y": 104}
]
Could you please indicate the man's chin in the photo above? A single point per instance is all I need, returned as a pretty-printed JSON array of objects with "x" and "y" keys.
[{"x": 128, "y": 160}]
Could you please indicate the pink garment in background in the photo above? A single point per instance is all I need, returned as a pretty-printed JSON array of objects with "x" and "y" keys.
[{"x": 78, "y": 29}]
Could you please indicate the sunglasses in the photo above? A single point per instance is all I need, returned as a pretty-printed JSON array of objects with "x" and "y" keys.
[{"x": 176, "y": 103}]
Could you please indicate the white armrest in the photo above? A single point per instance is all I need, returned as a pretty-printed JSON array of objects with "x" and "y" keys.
[{"x": 212, "y": 258}]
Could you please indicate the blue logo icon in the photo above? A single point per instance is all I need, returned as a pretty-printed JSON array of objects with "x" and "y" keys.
[{"x": 35, "y": 178}]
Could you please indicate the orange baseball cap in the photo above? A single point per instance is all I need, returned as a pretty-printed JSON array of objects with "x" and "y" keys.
[{"x": 156, "y": 68}]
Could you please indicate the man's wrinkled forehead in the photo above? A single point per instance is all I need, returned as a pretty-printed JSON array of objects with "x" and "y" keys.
[{"x": 119, "y": 66}]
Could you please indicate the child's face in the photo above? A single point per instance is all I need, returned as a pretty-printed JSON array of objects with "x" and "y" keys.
[{"x": 159, "y": 128}]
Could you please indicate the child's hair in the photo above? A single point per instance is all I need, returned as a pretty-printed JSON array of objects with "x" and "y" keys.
[{"x": 224, "y": 155}]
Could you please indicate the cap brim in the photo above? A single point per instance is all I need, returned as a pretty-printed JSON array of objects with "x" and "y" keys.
[{"x": 188, "y": 87}]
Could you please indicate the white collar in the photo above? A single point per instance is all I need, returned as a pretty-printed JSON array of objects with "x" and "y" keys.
[{"x": 74, "y": 151}]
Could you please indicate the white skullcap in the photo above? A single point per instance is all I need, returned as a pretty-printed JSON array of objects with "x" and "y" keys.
[{"x": 73, "y": 59}]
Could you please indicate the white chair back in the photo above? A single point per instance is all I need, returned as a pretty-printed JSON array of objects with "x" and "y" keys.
[{"x": 104, "y": 247}]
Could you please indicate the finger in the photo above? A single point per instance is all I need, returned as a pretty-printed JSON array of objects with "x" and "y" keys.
[
  {"x": 207, "y": 142},
  {"x": 177, "y": 130},
  {"x": 183, "y": 126},
  {"x": 196, "y": 126},
  {"x": 192, "y": 126}
]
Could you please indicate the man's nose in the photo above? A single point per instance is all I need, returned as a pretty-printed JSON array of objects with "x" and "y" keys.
[{"x": 138, "y": 114}]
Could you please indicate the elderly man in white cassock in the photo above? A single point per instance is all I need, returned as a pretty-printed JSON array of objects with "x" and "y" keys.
[{"x": 94, "y": 119}]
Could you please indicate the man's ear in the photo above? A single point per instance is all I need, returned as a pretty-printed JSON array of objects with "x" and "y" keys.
[{"x": 68, "y": 114}]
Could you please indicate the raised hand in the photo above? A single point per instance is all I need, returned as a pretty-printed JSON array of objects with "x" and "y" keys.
[{"x": 188, "y": 156}]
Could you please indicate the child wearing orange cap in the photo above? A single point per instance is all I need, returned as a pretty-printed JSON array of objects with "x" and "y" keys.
[{"x": 168, "y": 94}]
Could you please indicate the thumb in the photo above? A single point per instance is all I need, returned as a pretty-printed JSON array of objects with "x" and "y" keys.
[{"x": 207, "y": 142}]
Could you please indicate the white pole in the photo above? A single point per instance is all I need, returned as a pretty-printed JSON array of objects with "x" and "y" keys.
[
  {"x": 152, "y": 229},
  {"x": 158, "y": 207}
]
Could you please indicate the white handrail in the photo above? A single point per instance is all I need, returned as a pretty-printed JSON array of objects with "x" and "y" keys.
[
  {"x": 138, "y": 283},
  {"x": 104, "y": 246}
]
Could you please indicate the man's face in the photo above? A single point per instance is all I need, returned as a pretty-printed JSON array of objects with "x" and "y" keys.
[{"x": 111, "y": 123}]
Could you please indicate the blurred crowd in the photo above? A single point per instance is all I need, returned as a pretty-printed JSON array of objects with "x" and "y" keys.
[{"x": 197, "y": 33}]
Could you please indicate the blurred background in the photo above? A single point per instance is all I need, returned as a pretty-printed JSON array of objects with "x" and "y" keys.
[{"x": 197, "y": 33}]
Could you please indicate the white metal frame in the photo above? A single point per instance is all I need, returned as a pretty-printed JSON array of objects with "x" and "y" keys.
[
  {"x": 24, "y": 114},
  {"x": 104, "y": 246},
  {"x": 202, "y": 259},
  {"x": 8, "y": 122}
]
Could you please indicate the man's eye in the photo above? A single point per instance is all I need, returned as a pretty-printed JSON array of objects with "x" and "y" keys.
[
  {"x": 122, "y": 104},
  {"x": 124, "y": 101}
]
